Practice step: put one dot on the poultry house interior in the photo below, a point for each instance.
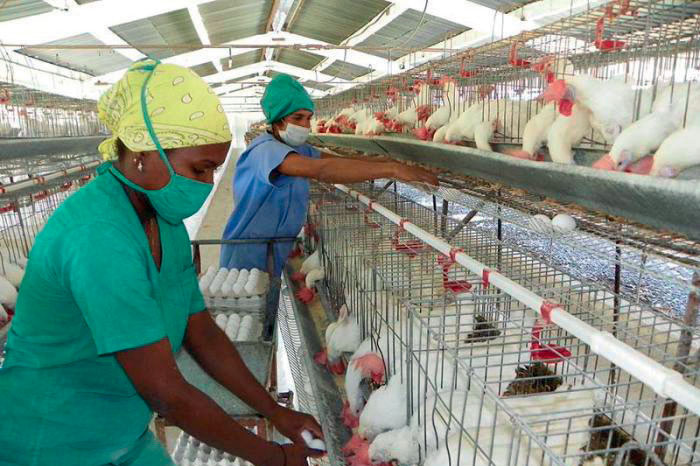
(539, 306)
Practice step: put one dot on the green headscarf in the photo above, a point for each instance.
(284, 96)
(184, 110)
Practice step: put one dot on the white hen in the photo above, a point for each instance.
(679, 151)
(311, 262)
(536, 130)
(385, 409)
(345, 337)
(8, 293)
(14, 274)
(566, 132)
(646, 134)
(611, 101)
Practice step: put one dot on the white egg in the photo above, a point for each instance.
(238, 288)
(541, 224)
(221, 320)
(311, 442)
(563, 223)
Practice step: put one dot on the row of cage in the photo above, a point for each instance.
(486, 379)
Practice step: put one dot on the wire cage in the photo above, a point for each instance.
(29, 113)
(488, 94)
(486, 379)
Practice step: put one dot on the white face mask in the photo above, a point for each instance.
(294, 135)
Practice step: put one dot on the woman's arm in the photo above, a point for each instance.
(155, 376)
(215, 353)
(366, 158)
(341, 170)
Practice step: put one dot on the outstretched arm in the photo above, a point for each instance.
(219, 358)
(342, 170)
(152, 370)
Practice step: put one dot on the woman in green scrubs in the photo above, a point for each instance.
(110, 294)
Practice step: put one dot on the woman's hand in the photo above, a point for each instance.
(407, 173)
(292, 423)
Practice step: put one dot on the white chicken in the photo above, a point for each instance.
(536, 131)
(345, 336)
(410, 116)
(315, 275)
(3, 314)
(14, 274)
(439, 135)
(507, 115)
(446, 112)
(8, 293)
(646, 134)
(566, 132)
(678, 151)
(610, 101)
(385, 409)
(395, 445)
(463, 127)
(373, 127)
(365, 363)
(311, 262)
(483, 133)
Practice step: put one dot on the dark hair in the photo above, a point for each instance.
(121, 148)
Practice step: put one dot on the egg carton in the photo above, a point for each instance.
(189, 451)
(234, 289)
(240, 326)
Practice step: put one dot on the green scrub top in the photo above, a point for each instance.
(91, 289)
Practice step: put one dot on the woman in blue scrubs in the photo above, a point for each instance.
(271, 183)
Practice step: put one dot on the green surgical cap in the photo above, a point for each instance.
(284, 96)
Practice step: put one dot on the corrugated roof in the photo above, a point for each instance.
(346, 70)
(400, 33)
(247, 58)
(334, 20)
(317, 85)
(205, 69)
(228, 20)
(91, 61)
(14, 9)
(299, 58)
(174, 27)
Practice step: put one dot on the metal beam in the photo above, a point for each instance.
(202, 32)
(267, 66)
(198, 57)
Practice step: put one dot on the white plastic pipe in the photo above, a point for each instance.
(664, 381)
(51, 176)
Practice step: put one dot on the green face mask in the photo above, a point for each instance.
(181, 197)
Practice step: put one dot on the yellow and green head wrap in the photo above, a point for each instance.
(182, 107)
(284, 96)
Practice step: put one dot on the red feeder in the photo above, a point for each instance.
(513, 57)
(547, 353)
(605, 45)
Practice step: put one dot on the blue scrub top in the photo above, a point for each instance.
(267, 204)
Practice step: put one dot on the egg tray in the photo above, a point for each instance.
(189, 451)
(257, 327)
(248, 304)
